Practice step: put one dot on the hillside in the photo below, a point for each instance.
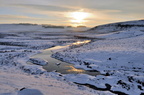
(114, 27)
(118, 53)
(18, 43)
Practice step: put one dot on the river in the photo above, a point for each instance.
(59, 66)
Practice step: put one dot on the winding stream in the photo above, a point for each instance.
(59, 66)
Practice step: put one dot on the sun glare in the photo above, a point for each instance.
(78, 17)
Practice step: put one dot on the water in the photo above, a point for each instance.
(63, 67)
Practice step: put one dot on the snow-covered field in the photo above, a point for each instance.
(17, 44)
(117, 53)
(119, 56)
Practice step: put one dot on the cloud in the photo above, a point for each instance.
(37, 11)
(44, 7)
(14, 17)
(27, 19)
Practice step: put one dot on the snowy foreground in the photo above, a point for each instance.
(17, 44)
(115, 50)
(119, 56)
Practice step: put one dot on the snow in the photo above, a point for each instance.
(119, 56)
(37, 61)
(117, 53)
(114, 27)
(30, 92)
(18, 43)
(12, 83)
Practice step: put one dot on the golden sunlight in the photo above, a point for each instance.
(81, 42)
(78, 17)
(74, 69)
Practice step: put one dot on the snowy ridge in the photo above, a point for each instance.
(114, 27)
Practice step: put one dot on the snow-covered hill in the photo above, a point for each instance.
(119, 55)
(114, 27)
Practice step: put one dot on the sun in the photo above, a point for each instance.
(78, 17)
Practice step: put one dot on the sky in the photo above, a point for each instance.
(70, 12)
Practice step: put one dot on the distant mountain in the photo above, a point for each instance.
(114, 27)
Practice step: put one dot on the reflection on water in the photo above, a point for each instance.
(63, 67)
(73, 69)
(81, 42)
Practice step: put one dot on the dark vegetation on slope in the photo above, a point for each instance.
(113, 27)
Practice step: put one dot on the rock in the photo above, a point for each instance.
(22, 88)
(109, 58)
(57, 64)
(30, 92)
